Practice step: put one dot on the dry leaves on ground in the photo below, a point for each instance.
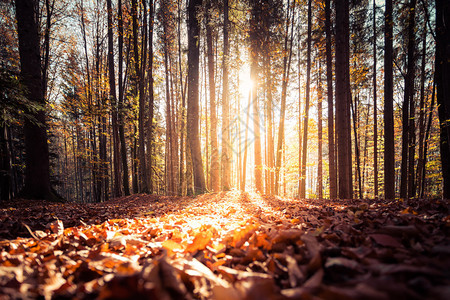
(225, 246)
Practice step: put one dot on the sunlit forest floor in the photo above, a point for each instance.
(230, 245)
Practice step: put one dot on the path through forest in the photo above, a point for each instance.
(230, 245)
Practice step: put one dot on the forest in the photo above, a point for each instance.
(225, 149)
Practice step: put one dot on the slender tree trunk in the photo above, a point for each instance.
(331, 145)
(286, 67)
(355, 117)
(408, 112)
(150, 97)
(37, 167)
(389, 150)
(215, 166)
(343, 99)
(427, 134)
(307, 100)
(421, 111)
(117, 189)
(255, 22)
(138, 63)
(193, 97)
(319, 135)
(123, 148)
(375, 105)
(226, 143)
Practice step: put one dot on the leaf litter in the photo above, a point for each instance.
(229, 245)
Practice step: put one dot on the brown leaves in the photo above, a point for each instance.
(227, 246)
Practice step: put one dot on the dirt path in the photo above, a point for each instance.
(225, 246)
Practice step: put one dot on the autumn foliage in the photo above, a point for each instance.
(230, 245)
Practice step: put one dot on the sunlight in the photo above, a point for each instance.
(245, 82)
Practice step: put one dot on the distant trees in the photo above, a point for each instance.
(130, 111)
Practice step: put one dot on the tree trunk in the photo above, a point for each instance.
(117, 189)
(286, 67)
(331, 145)
(343, 99)
(443, 87)
(389, 149)
(215, 166)
(255, 22)
(375, 107)
(319, 135)
(193, 97)
(226, 143)
(37, 168)
(150, 97)
(307, 100)
(408, 109)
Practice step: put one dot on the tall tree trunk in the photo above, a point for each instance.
(355, 118)
(226, 143)
(421, 111)
(343, 99)
(375, 107)
(443, 87)
(389, 149)
(255, 22)
(138, 63)
(407, 109)
(123, 147)
(150, 96)
(215, 166)
(427, 134)
(319, 135)
(117, 189)
(286, 67)
(331, 145)
(37, 167)
(307, 100)
(193, 97)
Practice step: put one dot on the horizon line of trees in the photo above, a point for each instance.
(105, 98)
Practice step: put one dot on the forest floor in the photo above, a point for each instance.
(229, 245)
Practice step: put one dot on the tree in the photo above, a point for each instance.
(226, 143)
(389, 149)
(375, 106)
(37, 173)
(306, 116)
(331, 138)
(193, 97)
(113, 99)
(343, 98)
(443, 87)
(408, 134)
(215, 166)
(255, 41)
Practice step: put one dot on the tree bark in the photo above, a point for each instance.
(375, 108)
(343, 98)
(117, 189)
(443, 87)
(389, 150)
(193, 97)
(307, 100)
(123, 147)
(226, 143)
(37, 167)
(407, 110)
(331, 144)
